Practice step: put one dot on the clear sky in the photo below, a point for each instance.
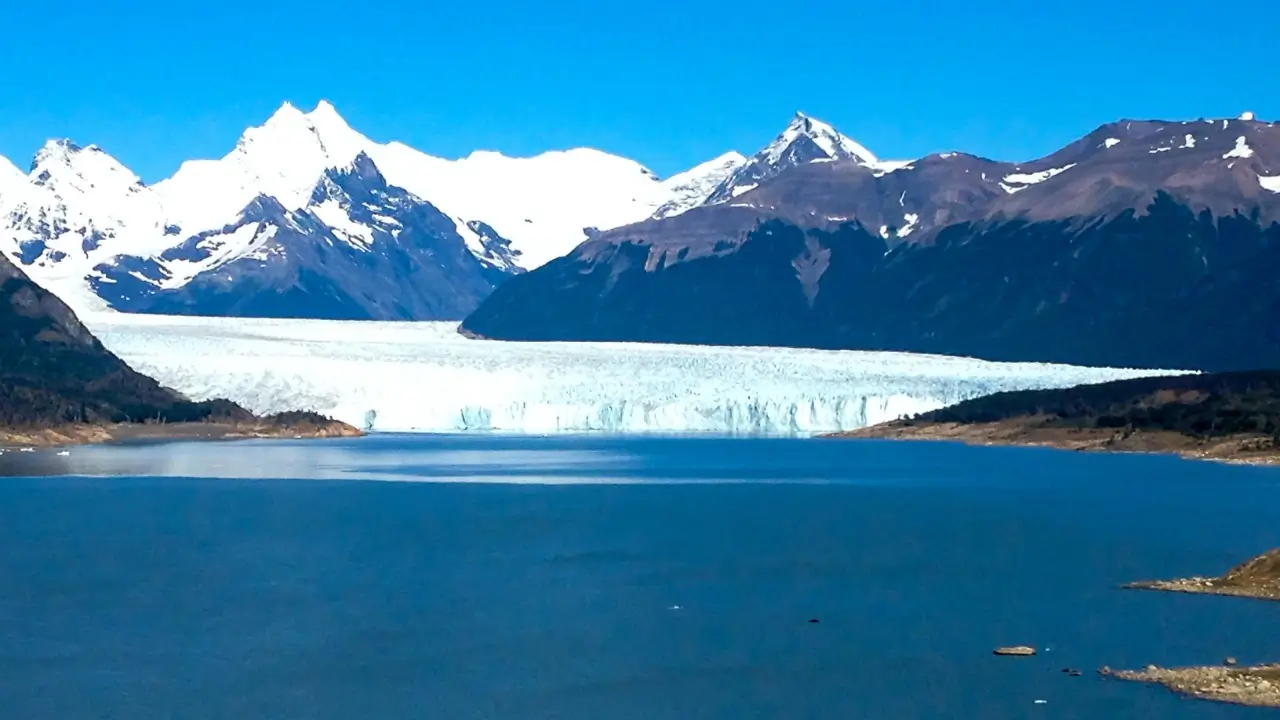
(667, 82)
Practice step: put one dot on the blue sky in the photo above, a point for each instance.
(667, 82)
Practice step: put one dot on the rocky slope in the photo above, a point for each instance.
(1223, 416)
(1257, 578)
(1153, 244)
(1257, 686)
(58, 383)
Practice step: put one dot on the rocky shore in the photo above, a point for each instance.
(1258, 578)
(284, 425)
(1228, 417)
(1033, 432)
(1258, 686)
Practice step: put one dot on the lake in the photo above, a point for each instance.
(606, 577)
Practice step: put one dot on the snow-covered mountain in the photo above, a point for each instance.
(693, 187)
(542, 204)
(83, 225)
(76, 208)
(805, 140)
(358, 249)
(1145, 243)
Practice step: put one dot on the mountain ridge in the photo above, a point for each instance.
(85, 226)
(66, 222)
(1117, 250)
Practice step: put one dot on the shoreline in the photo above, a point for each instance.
(1230, 449)
(1205, 586)
(217, 430)
(1258, 578)
(1255, 686)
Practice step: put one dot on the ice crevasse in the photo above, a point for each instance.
(425, 377)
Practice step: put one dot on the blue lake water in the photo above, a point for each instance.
(615, 578)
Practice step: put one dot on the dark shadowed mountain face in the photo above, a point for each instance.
(53, 371)
(360, 250)
(1143, 244)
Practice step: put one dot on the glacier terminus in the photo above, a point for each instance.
(425, 377)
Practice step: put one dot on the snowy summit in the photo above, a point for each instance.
(805, 140)
(83, 225)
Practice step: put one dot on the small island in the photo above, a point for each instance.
(1231, 417)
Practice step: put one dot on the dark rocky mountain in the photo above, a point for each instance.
(1152, 244)
(360, 250)
(53, 371)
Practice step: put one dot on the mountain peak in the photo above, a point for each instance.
(805, 140)
(84, 169)
(56, 151)
(326, 121)
(362, 168)
(283, 158)
(825, 138)
(286, 113)
(321, 133)
(358, 182)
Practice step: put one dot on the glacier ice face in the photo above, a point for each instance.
(425, 377)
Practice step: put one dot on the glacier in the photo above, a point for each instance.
(425, 377)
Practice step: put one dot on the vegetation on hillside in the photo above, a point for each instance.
(54, 372)
(1206, 406)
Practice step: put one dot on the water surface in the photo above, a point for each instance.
(614, 578)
